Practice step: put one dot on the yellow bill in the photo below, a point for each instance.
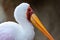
(37, 23)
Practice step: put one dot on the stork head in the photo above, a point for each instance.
(24, 12)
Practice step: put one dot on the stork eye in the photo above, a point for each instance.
(29, 9)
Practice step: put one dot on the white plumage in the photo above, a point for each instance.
(22, 30)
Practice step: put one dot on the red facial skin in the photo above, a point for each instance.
(29, 13)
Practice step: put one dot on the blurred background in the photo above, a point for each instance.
(47, 10)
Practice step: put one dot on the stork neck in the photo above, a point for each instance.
(25, 24)
(22, 20)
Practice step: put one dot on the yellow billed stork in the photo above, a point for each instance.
(23, 29)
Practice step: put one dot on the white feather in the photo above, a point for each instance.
(23, 30)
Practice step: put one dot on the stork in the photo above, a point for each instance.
(23, 29)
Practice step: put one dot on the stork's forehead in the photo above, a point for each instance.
(24, 5)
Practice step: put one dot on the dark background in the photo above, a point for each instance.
(47, 10)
